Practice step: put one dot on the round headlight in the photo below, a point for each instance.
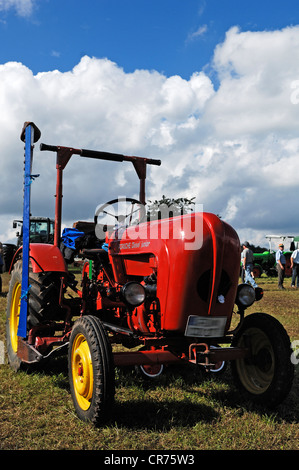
(245, 295)
(134, 293)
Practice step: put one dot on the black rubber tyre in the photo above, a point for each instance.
(265, 378)
(219, 368)
(7, 254)
(150, 372)
(44, 298)
(12, 316)
(257, 271)
(43, 305)
(91, 370)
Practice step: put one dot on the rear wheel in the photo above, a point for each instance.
(257, 271)
(219, 367)
(12, 316)
(266, 376)
(91, 370)
(44, 298)
(43, 306)
(288, 269)
(150, 371)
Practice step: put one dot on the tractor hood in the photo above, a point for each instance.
(196, 276)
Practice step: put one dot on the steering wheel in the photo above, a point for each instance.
(120, 212)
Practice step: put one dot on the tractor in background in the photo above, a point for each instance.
(162, 291)
(41, 230)
(265, 262)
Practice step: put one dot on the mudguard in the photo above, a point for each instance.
(43, 257)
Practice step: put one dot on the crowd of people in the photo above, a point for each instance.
(247, 261)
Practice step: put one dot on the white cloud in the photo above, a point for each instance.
(22, 7)
(55, 54)
(235, 147)
(256, 73)
(201, 30)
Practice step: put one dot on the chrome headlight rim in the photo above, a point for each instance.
(133, 293)
(245, 296)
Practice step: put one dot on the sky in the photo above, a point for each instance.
(209, 87)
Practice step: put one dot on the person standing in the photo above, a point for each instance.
(281, 262)
(295, 267)
(247, 259)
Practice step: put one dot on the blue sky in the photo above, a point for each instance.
(210, 87)
(170, 36)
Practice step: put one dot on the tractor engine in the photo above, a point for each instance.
(169, 285)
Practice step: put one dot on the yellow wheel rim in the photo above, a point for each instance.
(14, 316)
(82, 372)
(257, 375)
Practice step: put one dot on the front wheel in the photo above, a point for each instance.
(91, 370)
(266, 376)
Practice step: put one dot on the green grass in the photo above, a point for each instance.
(183, 410)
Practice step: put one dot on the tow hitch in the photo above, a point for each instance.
(204, 355)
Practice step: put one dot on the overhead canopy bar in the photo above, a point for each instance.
(63, 156)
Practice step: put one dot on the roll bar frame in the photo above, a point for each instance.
(65, 153)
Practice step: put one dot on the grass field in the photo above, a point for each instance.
(183, 410)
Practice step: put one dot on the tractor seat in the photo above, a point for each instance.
(94, 253)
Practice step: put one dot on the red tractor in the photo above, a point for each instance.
(166, 290)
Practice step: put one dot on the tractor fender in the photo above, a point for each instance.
(43, 257)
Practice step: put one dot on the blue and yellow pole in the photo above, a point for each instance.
(30, 134)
